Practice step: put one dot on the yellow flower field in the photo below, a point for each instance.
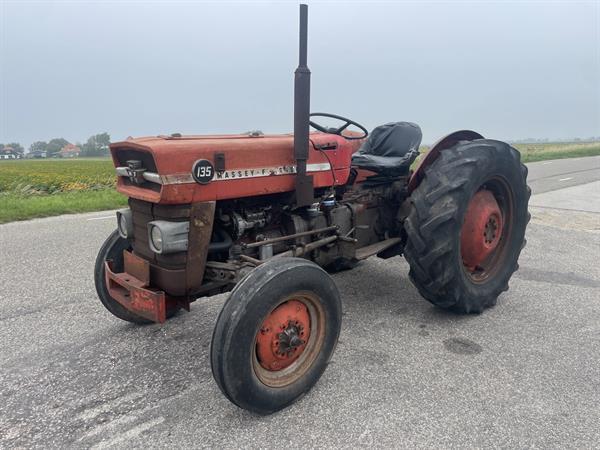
(40, 188)
(44, 177)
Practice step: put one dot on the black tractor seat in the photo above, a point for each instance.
(390, 149)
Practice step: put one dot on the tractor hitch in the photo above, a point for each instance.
(131, 289)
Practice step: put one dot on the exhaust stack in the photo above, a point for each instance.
(304, 183)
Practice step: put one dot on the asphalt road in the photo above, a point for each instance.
(405, 374)
(548, 176)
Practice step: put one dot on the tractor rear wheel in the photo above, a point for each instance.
(466, 228)
(275, 334)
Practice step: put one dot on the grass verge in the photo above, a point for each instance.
(18, 207)
(529, 155)
(544, 151)
(41, 188)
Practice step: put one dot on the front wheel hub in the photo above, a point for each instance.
(283, 335)
(481, 230)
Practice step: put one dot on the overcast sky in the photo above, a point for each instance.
(508, 70)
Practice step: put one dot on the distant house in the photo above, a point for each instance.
(69, 151)
(38, 154)
(9, 153)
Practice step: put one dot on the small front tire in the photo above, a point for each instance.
(276, 334)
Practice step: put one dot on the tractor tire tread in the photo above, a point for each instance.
(232, 374)
(435, 217)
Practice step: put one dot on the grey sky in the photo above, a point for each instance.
(506, 69)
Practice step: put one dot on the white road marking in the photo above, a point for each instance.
(102, 218)
(546, 163)
(566, 179)
(109, 426)
(130, 434)
(366, 438)
(91, 413)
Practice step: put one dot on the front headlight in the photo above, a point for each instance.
(156, 239)
(125, 223)
(168, 237)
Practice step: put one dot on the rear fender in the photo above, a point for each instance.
(444, 143)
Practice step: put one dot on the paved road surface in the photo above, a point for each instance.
(561, 173)
(523, 374)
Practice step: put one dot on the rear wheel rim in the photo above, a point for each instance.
(486, 230)
(289, 340)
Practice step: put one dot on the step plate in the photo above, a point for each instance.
(373, 249)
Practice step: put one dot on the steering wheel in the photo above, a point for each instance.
(339, 130)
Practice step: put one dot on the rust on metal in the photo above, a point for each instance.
(304, 249)
(202, 216)
(251, 260)
(481, 230)
(137, 267)
(133, 294)
(283, 335)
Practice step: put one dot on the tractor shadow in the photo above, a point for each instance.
(382, 305)
(379, 286)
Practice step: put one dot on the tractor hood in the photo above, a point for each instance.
(186, 169)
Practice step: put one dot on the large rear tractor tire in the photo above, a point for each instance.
(466, 228)
(276, 334)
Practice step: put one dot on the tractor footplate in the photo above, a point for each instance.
(131, 290)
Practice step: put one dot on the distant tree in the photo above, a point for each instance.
(55, 145)
(103, 140)
(96, 145)
(39, 146)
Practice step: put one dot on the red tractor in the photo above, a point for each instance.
(262, 215)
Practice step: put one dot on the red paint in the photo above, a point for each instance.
(290, 313)
(363, 174)
(481, 230)
(176, 156)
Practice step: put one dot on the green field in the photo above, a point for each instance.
(559, 150)
(541, 152)
(40, 188)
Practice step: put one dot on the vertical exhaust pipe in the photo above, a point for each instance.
(304, 183)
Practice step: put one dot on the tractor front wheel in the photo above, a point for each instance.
(275, 334)
(467, 225)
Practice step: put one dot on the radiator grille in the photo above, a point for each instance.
(144, 212)
(126, 154)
